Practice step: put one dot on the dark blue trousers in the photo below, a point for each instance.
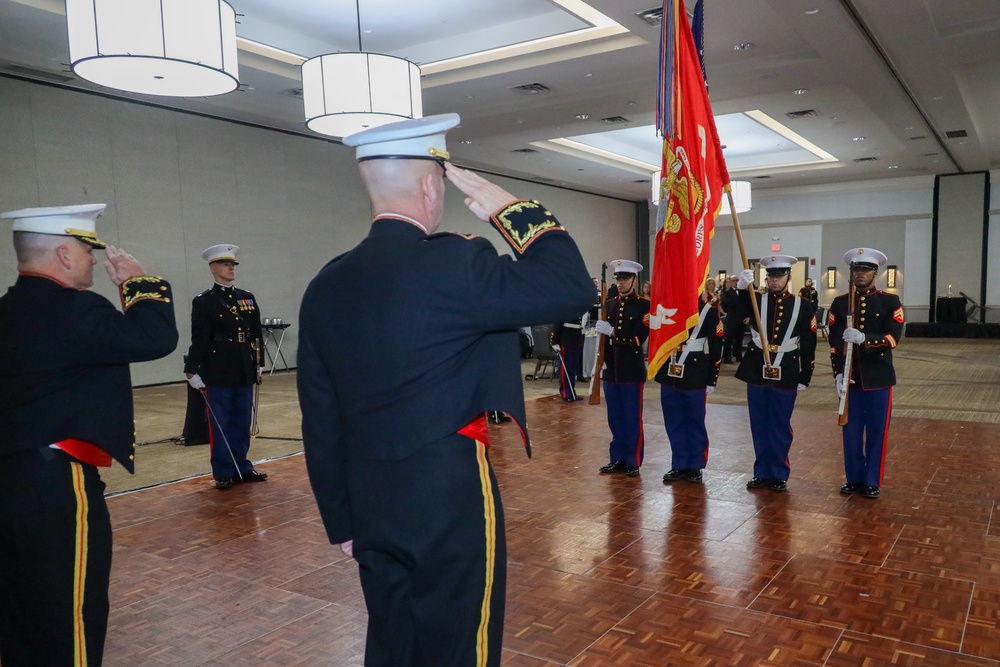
(865, 435)
(684, 419)
(625, 419)
(572, 368)
(55, 560)
(230, 416)
(429, 540)
(771, 427)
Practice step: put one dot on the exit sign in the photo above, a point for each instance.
(776, 247)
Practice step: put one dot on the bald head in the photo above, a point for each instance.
(414, 188)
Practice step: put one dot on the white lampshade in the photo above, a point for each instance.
(176, 48)
(345, 93)
(741, 195)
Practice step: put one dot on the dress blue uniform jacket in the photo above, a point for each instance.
(383, 378)
(225, 329)
(879, 316)
(623, 356)
(796, 366)
(701, 368)
(66, 374)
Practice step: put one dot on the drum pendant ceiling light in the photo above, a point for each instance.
(344, 93)
(175, 48)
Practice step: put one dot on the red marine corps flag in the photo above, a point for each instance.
(692, 184)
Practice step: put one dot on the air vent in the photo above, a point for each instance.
(33, 73)
(615, 120)
(292, 92)
(761, 178)
(918, 137)
(531, 88)
(652, 16)
(805, 113)
(931, 154)
(524, 151)
(641, 180)
(956, 134)
(870, 158)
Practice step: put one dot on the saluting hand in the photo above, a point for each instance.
(484, 198)
(121, 266)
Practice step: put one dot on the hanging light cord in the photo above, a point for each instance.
(357, 11)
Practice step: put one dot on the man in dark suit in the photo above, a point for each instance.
(734, 326)
(874, 332)
(223, 363)
(396, 446)
(567, 340)
(774, 381)
(65, 411)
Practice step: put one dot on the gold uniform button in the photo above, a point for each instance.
(131, 457)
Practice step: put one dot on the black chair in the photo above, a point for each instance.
(542, 351)
(821, 326)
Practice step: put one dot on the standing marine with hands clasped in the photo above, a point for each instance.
(877, 328)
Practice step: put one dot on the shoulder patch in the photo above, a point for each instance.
(898, 315)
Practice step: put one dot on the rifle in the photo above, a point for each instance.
(848, 361)
(595, 375)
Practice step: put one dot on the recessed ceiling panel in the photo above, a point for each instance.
(418, 31)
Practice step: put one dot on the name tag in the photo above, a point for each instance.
(772, 372)
(676, 370)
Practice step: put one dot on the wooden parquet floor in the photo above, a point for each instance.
(605, 570)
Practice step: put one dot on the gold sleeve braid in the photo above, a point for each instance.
(524, 221)
(142, 288)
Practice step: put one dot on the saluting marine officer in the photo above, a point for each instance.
(65, 411)
(878, 326)
(789, 323)
(625, 330)
(686, 380)
(396, 446)
(224, 362)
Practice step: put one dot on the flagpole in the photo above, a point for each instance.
(746, 265)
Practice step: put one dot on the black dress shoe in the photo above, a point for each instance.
(758, 483)
(851, 487)
(779, 485)
(871, 492)
(254, 476)
(692, 475)
(631, 471)
(673, 475)
(226, 483)
(614, 466)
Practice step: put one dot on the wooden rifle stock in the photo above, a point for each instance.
(848, 361)
(595, 374)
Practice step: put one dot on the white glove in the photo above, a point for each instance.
(840, 385)
(555, 347)
(604, 327)
(853, 336)
(709, 390)
(802, 387)
(746, 277)
(260, 374)
(196, 381)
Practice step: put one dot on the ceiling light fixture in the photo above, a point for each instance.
(344, 93)
(181, 48)
(800, 91)
(743, 46)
